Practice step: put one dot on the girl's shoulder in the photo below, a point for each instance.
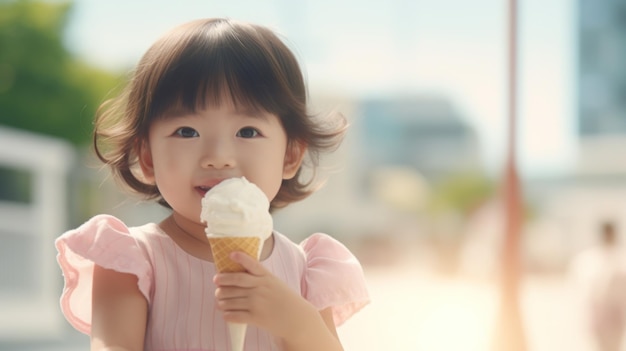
(108, 235)
(104, 229)
(316, 246)
(332, 276)
(105, 241)
(316, 249)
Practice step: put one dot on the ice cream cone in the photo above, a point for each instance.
(223, 246)
(237, 332)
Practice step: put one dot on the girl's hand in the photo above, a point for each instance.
(258, 297)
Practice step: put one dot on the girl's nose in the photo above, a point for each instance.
(217, 155)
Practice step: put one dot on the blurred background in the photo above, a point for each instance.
(416, 189)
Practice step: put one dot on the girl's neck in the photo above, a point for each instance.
(192, 230)
(190, 237)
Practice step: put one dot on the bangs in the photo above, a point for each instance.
(204, 70)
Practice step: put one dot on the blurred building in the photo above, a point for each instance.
(601, 70)
(601, 85)
(424, 132)
(601, 93)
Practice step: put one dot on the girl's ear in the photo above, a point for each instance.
(293, 159)
(145, 162)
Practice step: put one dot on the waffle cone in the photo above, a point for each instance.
(222, 247)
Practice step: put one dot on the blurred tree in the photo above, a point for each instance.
(453, 201)
(43, 88)
(461, 193)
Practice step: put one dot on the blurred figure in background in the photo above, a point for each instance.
(600, 273)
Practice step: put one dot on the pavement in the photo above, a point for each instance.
(414, 309)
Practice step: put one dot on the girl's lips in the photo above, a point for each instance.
(206, 186)
(202, 190)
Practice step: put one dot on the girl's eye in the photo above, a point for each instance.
(186, 132)
(247, 132)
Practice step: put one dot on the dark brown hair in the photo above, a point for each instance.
(190, 68)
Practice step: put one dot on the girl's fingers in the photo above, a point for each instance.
(251, 265)
(240, 280)
(254, 269)
(235, 310)
(234, 304)
(229, 292)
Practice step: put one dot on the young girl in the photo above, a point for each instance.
(211, 100)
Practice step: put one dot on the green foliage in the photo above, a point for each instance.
(43, 88)
(461, 193)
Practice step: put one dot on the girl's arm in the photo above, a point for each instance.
(258, 297)
(315, 336)
(119, 312)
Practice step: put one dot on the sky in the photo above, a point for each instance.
(456, 48)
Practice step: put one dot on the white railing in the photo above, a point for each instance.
(30, 282)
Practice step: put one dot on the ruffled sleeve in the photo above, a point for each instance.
(333, 277)
(103, 240)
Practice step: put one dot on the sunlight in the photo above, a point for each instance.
(460, 319)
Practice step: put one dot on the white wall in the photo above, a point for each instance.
(30, 310)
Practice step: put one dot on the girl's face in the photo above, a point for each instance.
(188, 154)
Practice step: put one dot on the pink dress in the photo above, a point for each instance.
(179, 287)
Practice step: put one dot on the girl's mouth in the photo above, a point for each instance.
(202, 190)
(208, 185)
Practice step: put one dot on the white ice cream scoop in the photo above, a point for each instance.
(236, 207)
